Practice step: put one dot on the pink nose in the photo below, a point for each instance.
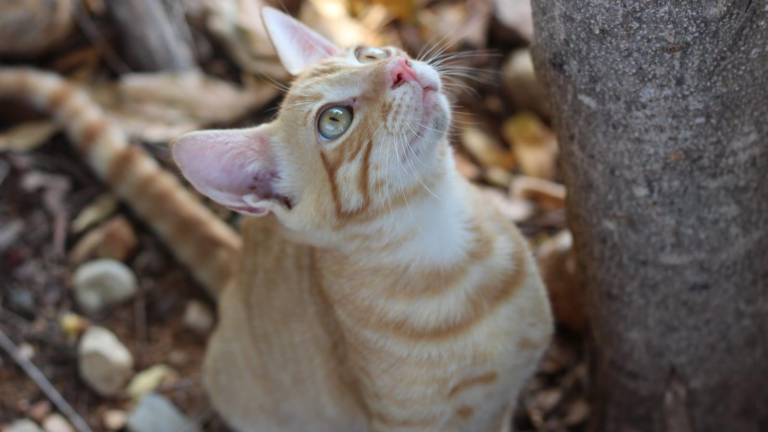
(402, 72)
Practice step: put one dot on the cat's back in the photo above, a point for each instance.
(272, 364)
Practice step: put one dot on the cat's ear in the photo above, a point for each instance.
(235, 168)
(297, 45)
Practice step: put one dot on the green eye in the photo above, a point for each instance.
(334, 121)
(370, 54)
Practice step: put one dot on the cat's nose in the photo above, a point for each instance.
(401, 72)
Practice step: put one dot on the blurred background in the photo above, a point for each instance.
(80, 275)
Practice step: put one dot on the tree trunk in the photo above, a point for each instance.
(155, 37)
(662, 112)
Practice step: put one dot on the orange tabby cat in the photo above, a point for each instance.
(382, 293)
(400, 299)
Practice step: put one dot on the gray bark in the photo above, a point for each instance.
(662, 112)
(155, 35)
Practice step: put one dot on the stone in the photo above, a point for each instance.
(23, 425)
(149, 380)
(105, 364)
(56, 423)
(114, 419)
(154, 413)
(102, 283)
(198, 317)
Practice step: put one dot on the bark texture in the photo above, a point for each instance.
(155, 37)
(662, 111)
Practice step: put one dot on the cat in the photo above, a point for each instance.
(374, 288)
(400, 299)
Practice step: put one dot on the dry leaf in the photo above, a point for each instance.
(331, 18)
(522, 86)
(28, 136)
(549, 195)
(557, 264)
(516, 210)
(533, 144)
(95, 212)
(457, 23)
(114, 239)
(404, 10)
(466, 167)
(516, 15)
(158, 107)
(28, 27)
(578, 413)
(486, 149)
(238, 24)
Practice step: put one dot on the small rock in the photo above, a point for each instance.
(114, 419)
(39, 410)
(72, 324)
(21, 301)
(56, 423)
(198, 317)
(149, 380)
(155, 413)
(23, 425)
(102, 283)
(104, 362)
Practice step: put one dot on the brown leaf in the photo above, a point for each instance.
(533, 144)
(158, 107)
(114, 239)
(332, 19)
(516, 15)
(486, 148)
(522, 86)
(28, 136)
(28, 27)
(549, 195)
(238, 25)
(95, 212)
(557, 264)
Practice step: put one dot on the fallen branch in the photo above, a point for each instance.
(36, 375)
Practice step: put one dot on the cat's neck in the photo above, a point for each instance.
(431, 230)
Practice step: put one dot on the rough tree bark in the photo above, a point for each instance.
(662, 112)
(154, 34)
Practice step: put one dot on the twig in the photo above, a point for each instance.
(43, 383)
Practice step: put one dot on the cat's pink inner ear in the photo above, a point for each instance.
(297, 45)
(232, 167)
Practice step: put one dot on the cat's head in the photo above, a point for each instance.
(359, 131)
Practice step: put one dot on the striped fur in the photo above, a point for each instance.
(404, 301)
(207, 246)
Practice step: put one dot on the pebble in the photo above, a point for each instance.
(154, 413)
(21, 301)
(102, 283)
(56, 423)
(198, 317)
(114, 419)
(104, 362)
(149, 380)
(23, 425)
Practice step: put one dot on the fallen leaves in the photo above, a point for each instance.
(28, 27)
(158, 107)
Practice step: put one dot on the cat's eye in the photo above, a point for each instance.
(334, 121)
(370, 54)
